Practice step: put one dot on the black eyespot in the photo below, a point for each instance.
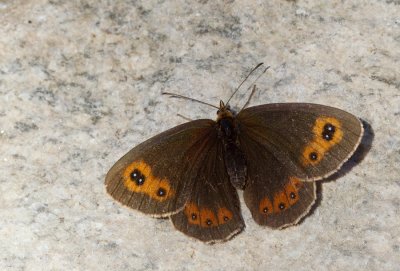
(265, 210)
(137, 177)
(292, 195)
(313, 156)
(209, 222)
(161, 192)
(329, 127)
(328, 132)
(226, 218)
(281, 206)
(194, 216)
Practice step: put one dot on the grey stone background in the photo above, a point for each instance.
(81, 83)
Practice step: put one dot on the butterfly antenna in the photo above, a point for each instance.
(251, 96)
(244, 80)
(182, 116)
(174, 95)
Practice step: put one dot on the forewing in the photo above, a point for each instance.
(311, 141)
(156, 176)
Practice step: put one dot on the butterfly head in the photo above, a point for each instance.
(225, 111)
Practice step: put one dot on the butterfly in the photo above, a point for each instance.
(274, 152)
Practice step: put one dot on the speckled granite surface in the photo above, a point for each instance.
(80, 84)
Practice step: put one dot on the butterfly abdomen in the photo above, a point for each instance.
(235, 161)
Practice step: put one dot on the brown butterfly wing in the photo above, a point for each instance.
(311, 140)
(212, 213)
(274, 196)
(287, 145)
(156, 177)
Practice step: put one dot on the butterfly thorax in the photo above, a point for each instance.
(235, 162)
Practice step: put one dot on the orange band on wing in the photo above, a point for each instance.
(205, 217)
(280, 202)
(283, 199)
(327, 133)
(224, 215)
(192, 213)
(138, 178)
(265, 206)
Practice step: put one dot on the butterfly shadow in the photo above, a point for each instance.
(355, 159)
